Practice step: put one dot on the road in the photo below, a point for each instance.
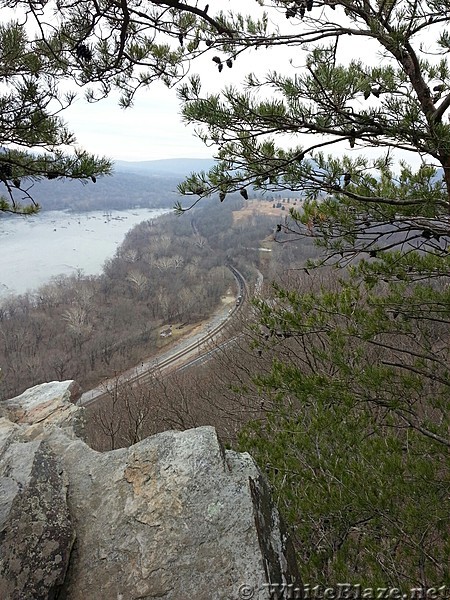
(188, 350)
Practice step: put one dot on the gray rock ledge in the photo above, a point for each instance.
(175, 516)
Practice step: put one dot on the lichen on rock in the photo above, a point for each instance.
(174, 516)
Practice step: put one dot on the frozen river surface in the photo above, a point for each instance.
(35, 249)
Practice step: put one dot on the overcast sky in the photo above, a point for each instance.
(152, 128)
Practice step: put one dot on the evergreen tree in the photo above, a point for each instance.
(398, 103)
(353, 425)
(354, 430)
(32, 134)
(49, 51)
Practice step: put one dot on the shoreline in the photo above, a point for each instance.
(53, 243)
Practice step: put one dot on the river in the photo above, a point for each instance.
(34, 249)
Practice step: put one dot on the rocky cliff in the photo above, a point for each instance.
(175, 516)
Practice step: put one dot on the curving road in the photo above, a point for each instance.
(191, 349)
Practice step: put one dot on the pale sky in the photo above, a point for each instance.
(152, 129)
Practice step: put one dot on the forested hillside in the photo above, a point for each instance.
(342, 397)
(170, 270)
(151, 184)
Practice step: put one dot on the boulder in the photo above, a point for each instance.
(47, 404)
(175, 516)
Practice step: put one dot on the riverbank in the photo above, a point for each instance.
(41, 247)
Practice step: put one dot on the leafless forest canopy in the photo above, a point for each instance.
(168, 271)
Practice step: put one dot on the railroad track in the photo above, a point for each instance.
(143, 374)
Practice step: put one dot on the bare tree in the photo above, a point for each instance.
(123, 417)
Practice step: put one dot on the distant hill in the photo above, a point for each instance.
(173, 166)
(150, 184)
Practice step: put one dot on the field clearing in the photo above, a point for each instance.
(259, 207)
